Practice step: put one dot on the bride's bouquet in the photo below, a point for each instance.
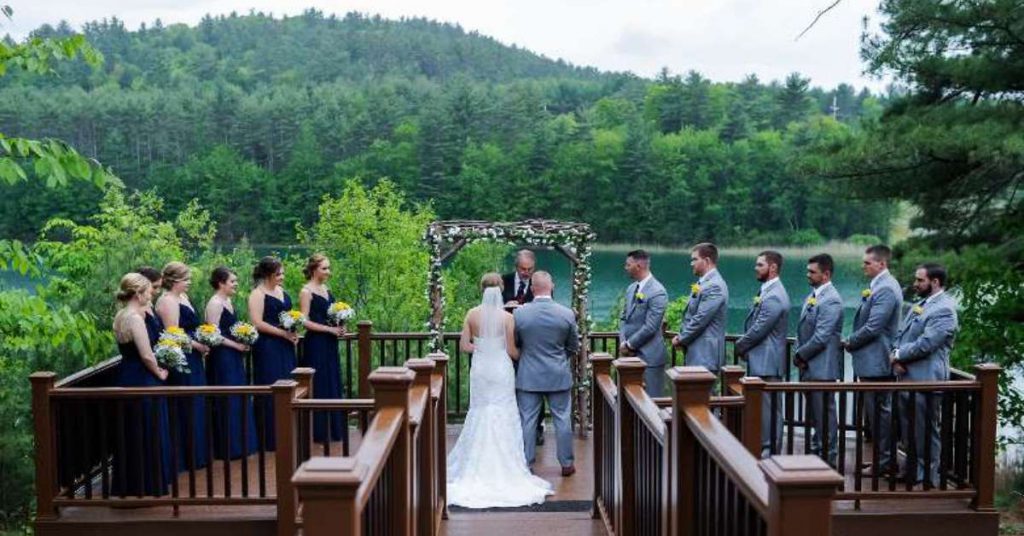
(339, 312)
(170, 354)
(209, 335)
(291, 320)
(244, 333)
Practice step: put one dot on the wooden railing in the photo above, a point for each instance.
(685, 472)
(395, 481)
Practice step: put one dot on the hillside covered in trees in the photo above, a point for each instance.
(258, 118)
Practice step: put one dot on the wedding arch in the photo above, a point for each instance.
(572, 240)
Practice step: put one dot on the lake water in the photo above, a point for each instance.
(672, 268)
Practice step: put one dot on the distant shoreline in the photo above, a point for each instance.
(836, 248)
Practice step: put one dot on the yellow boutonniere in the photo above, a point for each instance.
(865, 294)
(640, 296)
(695, 289)
(757, 300)
(918, 310)
(812, 301)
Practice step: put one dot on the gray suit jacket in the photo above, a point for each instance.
(764, 340)
(874, 327)
(702, 331)
(926, 339)
(547, 337)
(818, 336)
(640, 323)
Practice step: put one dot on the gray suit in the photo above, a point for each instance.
(874, 327)
(640, 328)
(702, 331)
(923, 345)
(818, 340)
(763, 345)
(547, 338)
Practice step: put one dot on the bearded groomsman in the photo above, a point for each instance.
(702, 332)
(640, 323)
(763, 343)
(819, 353)
(874, 327)
(921, 353)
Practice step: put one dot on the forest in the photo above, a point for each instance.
(258, 118)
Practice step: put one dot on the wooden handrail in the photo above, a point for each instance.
(162, 391)
(376, 446)
(902, 387)
(647, 411)
(86, 373)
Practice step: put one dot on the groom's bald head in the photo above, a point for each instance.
(541, 283)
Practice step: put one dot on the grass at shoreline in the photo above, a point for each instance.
(835, 248)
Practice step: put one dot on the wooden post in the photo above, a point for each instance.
(601, 365)
(441, 427)
(423, 452)
(43, 424)
(631, 372)
(365, 351)
(731, 375)
(328, 489)
(985, 421)
(691, 387)
(753, 391)
(800, 490)
(391, 390)
(284, 454)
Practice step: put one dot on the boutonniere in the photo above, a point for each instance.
(918, 310)
(694, 290)
(865, 294)
(812, 301)
(757, 300)
(640, 297)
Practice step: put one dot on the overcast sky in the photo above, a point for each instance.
(723, 39)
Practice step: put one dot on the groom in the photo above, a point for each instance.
(546, 336)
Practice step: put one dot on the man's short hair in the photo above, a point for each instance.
(639, 255)
(772, 257)
(881, 253)
(824, 262)
(934, 270)
(525, 254)
(706, 250)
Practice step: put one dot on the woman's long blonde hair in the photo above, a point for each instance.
(132, 284)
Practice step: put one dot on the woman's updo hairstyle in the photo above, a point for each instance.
(132, 284)
(219, 276)
(312, 264)
(491, 279)
(267, 267)
(175, 272)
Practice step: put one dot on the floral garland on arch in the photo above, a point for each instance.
(445, 238)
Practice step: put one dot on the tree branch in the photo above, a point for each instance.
(817, 18)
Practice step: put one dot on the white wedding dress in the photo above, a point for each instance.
(487, 468)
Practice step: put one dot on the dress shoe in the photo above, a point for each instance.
(569, 470)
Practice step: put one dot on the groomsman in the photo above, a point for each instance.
(819, 352)
(763, 343)
(921, 353)
(640, 323)
(702, 332)
(874, 327)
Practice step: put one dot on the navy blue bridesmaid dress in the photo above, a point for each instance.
(142, 461)
(191, 410)
(227, 367)
(320, 352)
(273, 358)
(154, 326)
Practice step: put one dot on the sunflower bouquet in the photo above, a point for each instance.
(244, 333)
(176, 334)
(339, 312)
(209, 335)
(291, 320)
(170, 354)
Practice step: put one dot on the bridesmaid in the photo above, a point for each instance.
(142, 447)
(227, 367)
(175, 309)
(320, 349)
(153, 324)
(273, 355)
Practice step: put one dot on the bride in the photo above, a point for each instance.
(487, 467)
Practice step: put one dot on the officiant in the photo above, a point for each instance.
(515, 292)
